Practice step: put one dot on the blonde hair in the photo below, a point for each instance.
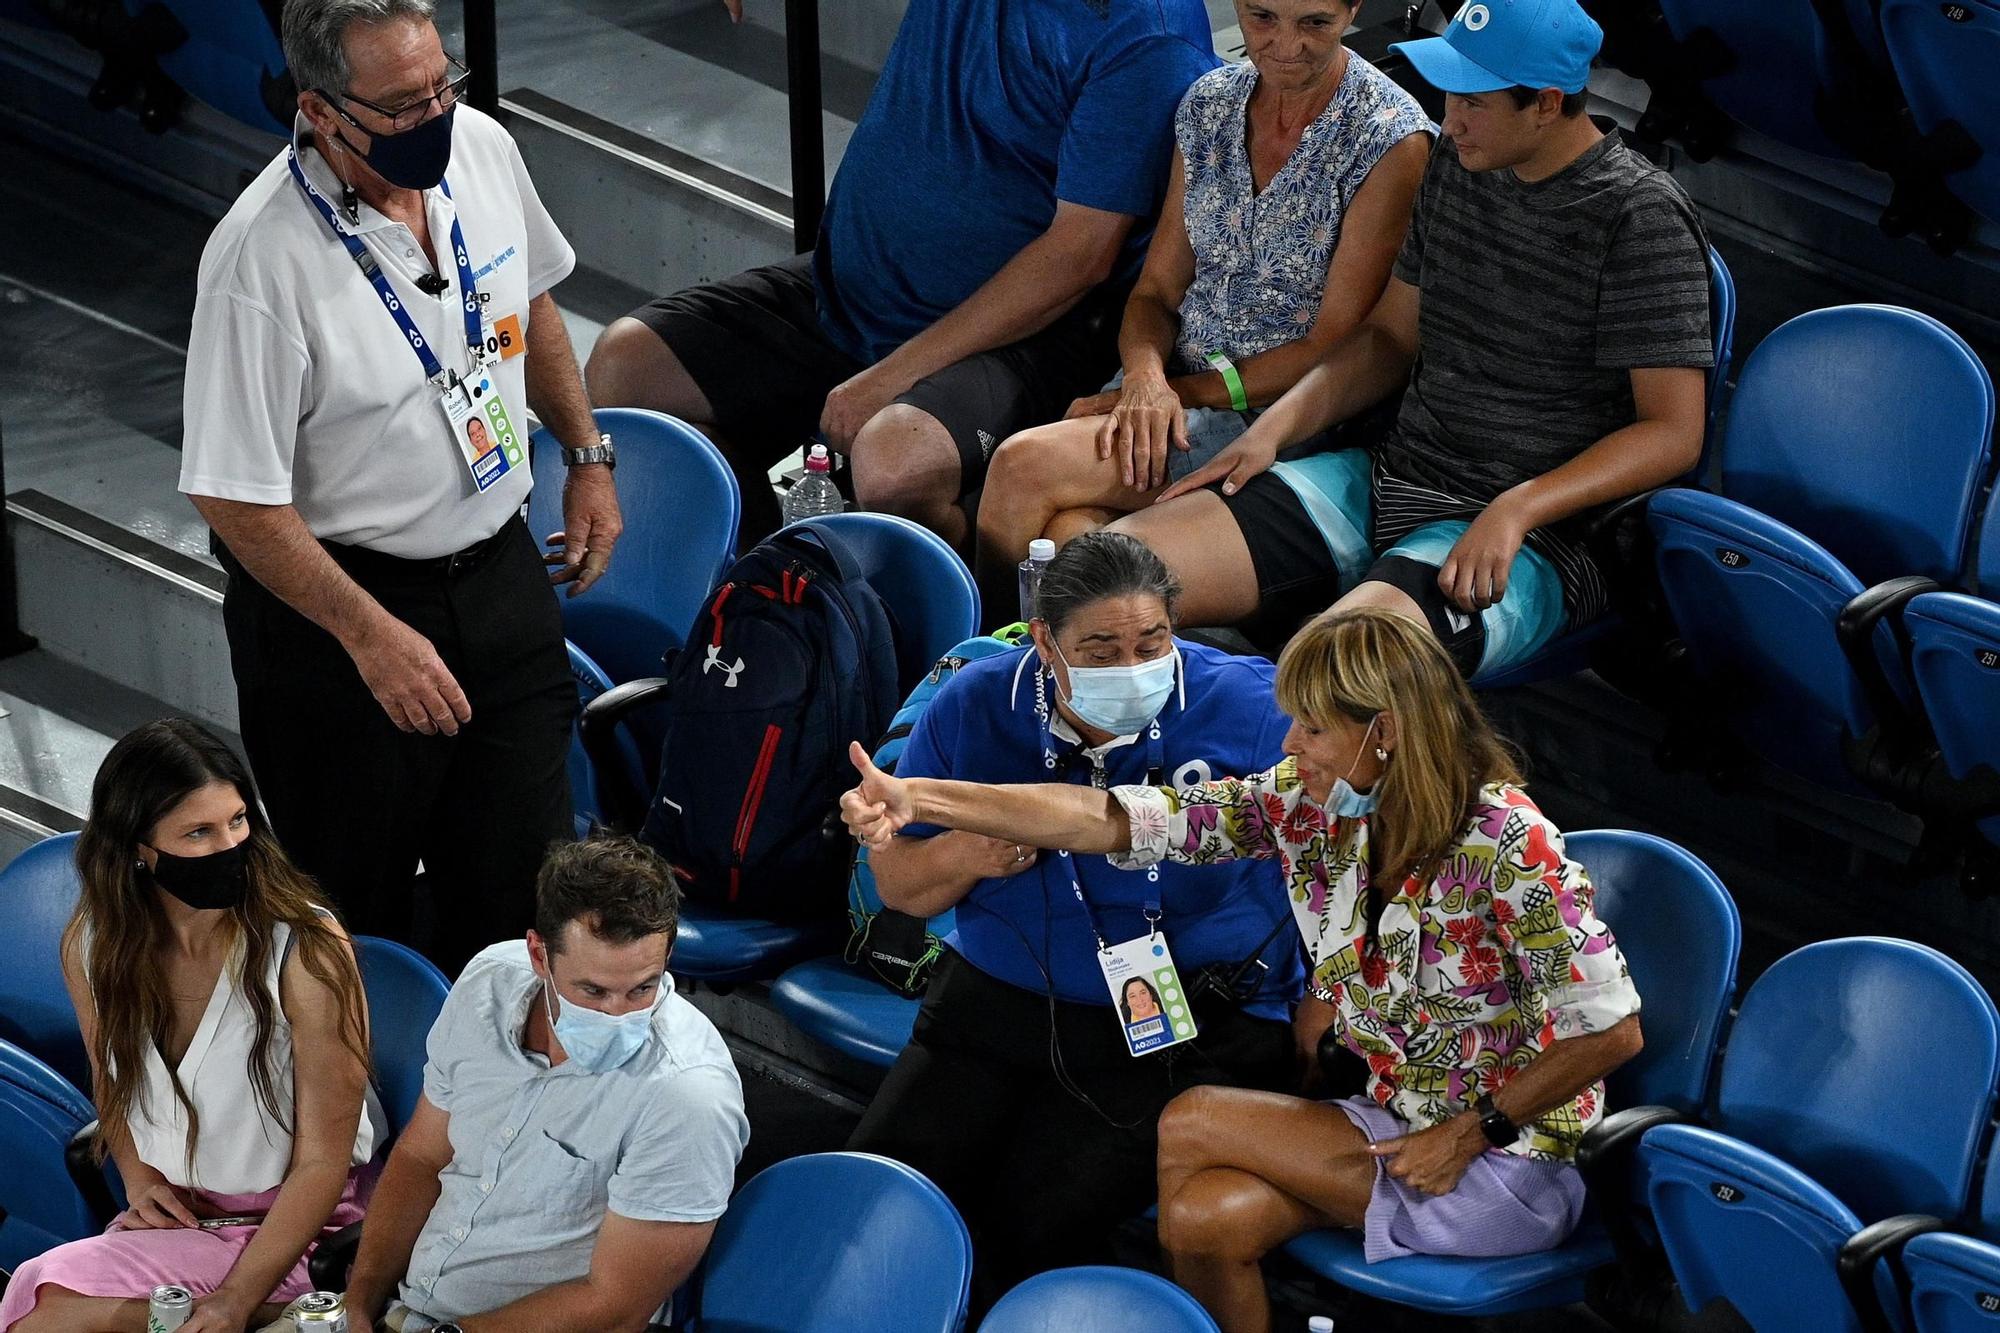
(1359, 663)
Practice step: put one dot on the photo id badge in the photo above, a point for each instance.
(482, 428)
(1146, 991)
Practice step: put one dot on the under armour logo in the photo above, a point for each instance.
(715, 660)
(1476, 17)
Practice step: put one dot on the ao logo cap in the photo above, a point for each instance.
(1495, 44)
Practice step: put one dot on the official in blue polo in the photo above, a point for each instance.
(1023, 1093)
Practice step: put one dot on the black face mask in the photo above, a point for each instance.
(414, 159)
(215, 882)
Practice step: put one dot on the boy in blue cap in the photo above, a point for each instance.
(1547, 324)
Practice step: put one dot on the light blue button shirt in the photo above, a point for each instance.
(539, 1154)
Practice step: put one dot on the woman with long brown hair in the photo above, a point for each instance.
(1453, 948)
(228, 1039)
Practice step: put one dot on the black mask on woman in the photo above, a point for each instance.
(216, 882)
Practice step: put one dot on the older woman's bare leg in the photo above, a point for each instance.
(1241, 1172)
(1198, 538)
(1035, 476)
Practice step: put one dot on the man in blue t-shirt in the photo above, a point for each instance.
(1017, 1093)
(991, 209)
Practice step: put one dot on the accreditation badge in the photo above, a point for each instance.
(485, 433)
(1153, 1009)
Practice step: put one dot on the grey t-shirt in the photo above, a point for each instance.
(1538, 300)
(539, 1155)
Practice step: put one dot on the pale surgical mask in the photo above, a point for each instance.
(1343, 802)
(598, 1041)
(1121, 699)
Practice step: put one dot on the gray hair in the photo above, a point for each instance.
(315, 33)
(1103, 564)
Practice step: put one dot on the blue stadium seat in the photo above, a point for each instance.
(1570, 653)
(1945, 55)
(1679, 931)
(680, 507)
(836, 1243)
(38, 891)
(405, 992)
(40, 1206)
(935, 606)
(1954, 645)
(230, 60)
(845, 1009)
(1954, 1280)
(1097, 1300)
(591, 681)
(1823, 1123)
(1856, 442)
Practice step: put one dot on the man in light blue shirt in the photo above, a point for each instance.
(579, 1128)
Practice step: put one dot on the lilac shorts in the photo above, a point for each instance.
(1502, 1205)
(129, 1264)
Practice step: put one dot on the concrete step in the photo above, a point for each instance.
(122, 605)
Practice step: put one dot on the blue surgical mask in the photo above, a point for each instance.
(598, 1041)
(1343, 802)
(1122, 699)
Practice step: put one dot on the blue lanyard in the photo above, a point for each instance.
(1155, 765)
(468, 287)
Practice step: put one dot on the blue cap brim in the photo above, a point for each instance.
(1446, 68)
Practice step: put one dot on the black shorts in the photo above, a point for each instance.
(1297, 576)
(754, 345)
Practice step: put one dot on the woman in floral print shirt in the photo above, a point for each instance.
(1453, 948)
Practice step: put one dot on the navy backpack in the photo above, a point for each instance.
(793, 657)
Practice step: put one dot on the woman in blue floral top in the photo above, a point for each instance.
(1453, 948)
(1292, 182)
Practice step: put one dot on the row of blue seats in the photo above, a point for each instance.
(1904, 86)
(1806, 1161)
(857, 1234)
(1837, 613)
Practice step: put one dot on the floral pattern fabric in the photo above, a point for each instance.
(1474, 970)
(1260, 260)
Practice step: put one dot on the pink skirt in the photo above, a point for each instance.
(127, 1264)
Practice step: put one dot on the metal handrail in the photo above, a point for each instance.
(802, 93)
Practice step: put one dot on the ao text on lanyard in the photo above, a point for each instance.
(468, 287)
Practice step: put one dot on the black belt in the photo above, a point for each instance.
(363, 562)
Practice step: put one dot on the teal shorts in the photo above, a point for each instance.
(1329, 495)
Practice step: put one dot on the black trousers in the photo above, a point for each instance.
(977, 1104)
(358, 803)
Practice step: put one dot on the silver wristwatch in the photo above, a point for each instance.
(601, 452)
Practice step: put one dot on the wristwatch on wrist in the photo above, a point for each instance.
(601, 452)
(1500, 1131)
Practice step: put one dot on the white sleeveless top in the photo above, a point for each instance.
(241, 1149)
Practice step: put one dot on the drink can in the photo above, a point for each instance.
(320, 1312)
(169, 1309)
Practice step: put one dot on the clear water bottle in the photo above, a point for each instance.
(813, 494)
(1040, 552)
(1320, 1323)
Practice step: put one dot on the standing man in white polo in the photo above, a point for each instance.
(372, 325)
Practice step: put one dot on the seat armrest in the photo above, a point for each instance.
(1858, 1256)
(1604, 1160)
(86, 1172)
(333, 1256)
(1856, 628)
(624, 809)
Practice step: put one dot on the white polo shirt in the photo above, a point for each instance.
(301, 390)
